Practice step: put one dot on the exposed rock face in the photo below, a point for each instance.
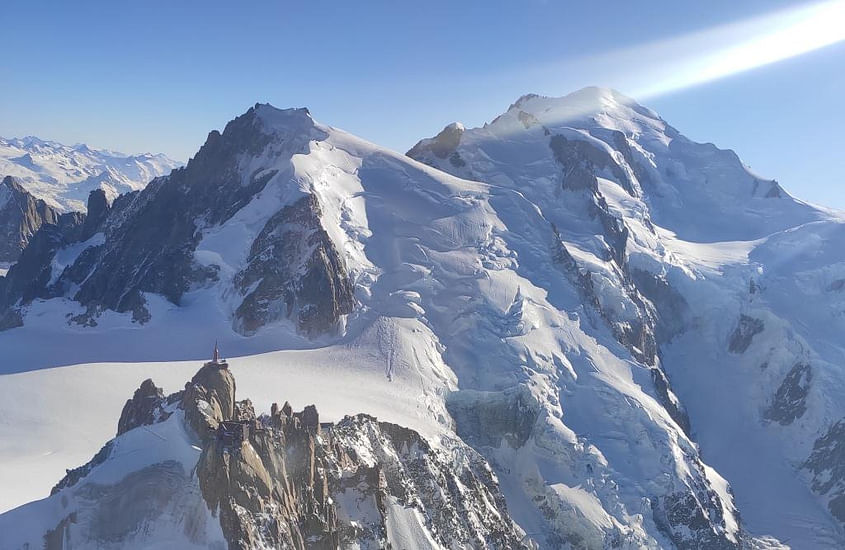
(282, 480)
(746, 329)
(827, 465)
(208, 399)
(266, 488)
(583, 161)
(293, 270)
(487, 419)
(31, 276)
(674, 314)
(636, 332)
(453, 488)
(144, 408)
(21, 215)
(669, 400)
(98, 210)
(151, 248)
(789, 402)
(443, 145)
(292, 482)
(687, 518)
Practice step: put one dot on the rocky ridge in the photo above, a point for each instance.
(278, 480)
(21, 215)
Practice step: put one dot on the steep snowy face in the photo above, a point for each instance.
(199, 469)
(63, 176)
(696, 190)
(678, 246)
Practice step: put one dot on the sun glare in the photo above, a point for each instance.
(740, 47)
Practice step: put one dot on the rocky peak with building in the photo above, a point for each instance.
(278, 480)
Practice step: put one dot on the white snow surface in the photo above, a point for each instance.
(715, 232)
(457, 290)
(63, 175)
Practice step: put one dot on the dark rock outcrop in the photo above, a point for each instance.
(98, 211)
(687, 519)
(294, 271)
(827, 465)
(442, 145)
(669, 400)
(637, 334)
(486, 419)
(145, 408)
(21, 215)
(209, 399)
(289, 482)
(790, 400)
(31, 276)
(746, 329)
(150, 248)
(453, 487)
(673, 311)
(583, 160)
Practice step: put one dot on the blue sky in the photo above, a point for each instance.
(158, 75)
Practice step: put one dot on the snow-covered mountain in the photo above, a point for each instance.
(636, 332)
(63, 175)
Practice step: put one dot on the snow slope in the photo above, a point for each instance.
(726, 243)
(63, 175)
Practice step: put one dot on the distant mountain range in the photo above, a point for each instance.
(636, 335)
(63, 175)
